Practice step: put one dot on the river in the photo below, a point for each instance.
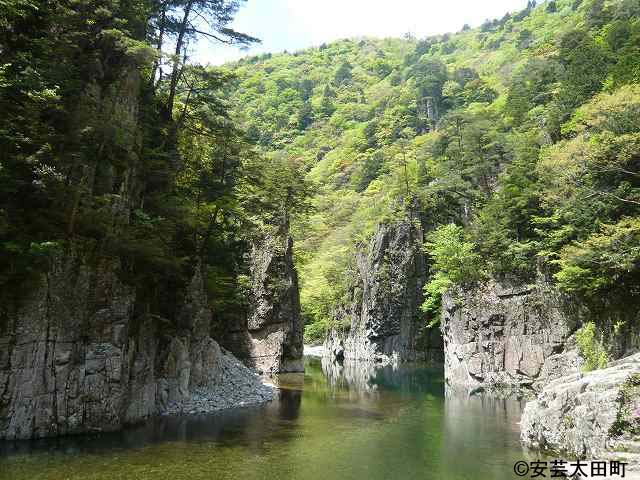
(333, 422)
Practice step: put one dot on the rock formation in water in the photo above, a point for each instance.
(270, 338)
(75, 357)
(499, 336)
(588, 415)
(382, 320)
(86, 346)
(505, 335)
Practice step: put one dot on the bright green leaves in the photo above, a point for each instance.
(453, 254)
(617, 112)
(591, 348)
(454, 262)
(605, 259)
(591, 183)
(465, 129)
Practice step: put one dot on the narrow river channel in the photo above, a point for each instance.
(333, 422)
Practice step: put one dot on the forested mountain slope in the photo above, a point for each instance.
(516, 146)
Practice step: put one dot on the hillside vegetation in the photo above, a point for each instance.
(114, 151)
(516, 145)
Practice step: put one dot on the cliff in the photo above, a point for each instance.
(507, 335)
(382, 321)
(75, 358)
(516, 336)
(113, 324)
(269, 339)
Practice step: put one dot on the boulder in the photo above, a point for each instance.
(583, 415)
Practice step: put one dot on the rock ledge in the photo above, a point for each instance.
(574, 414)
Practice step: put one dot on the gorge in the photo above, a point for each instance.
(452, 222)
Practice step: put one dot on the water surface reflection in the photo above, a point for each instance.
(350, 421)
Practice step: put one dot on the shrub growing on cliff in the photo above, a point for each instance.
(454, 262)
(602, 260)
(628, 415)
(591, 348)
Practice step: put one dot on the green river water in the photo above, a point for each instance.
(333, 422)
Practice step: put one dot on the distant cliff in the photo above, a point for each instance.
(269, 339)
(382, 321)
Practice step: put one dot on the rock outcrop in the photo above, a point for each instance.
(577, 414)
(382, 321)
(506, 336)
(103, 329)
(270, 338)
(75, 357)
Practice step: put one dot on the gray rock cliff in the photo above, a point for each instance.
(94, 340)
(270, 338)
(382, 320)
(507, 336)
(74, 357)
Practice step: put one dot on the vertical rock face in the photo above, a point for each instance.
(503, 335)
(382, 320)
(74, 358)
(270, 339)
(79, 351)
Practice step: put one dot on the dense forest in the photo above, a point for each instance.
(516, 145)
(113, 144)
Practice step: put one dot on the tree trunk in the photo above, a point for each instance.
(176, 62)
(156, 64)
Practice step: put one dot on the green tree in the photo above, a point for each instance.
(586, 64)
(454, 262)
(343, 74)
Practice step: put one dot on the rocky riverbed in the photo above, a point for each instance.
(239, 387)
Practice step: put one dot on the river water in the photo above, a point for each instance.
(333, 422)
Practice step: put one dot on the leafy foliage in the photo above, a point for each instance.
(454, 262)
(110, 145)
(591, 348)
(522, 132)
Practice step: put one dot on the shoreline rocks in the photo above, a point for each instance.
(238, 387)
(316, 351)
(576, 414)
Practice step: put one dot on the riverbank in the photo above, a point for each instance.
(239, 387)
(589, 415)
